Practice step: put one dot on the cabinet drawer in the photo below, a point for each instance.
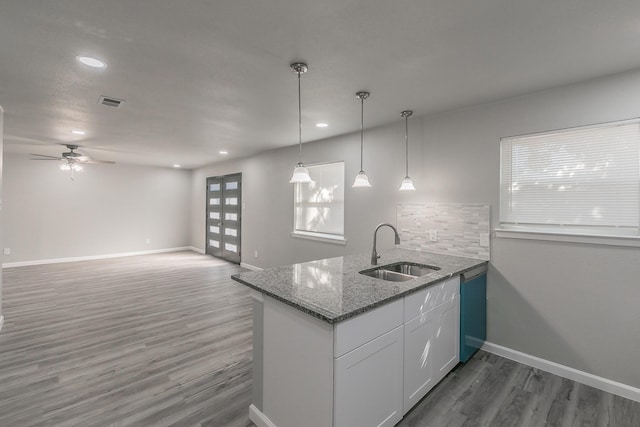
(354, 332)
(429, 298)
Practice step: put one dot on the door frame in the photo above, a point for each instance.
(222, 252)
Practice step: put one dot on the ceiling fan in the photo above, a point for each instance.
(71, 160)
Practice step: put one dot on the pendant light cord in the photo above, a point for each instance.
(406, 115)
(299, 122)
(361, 129)
(362, 96)
(406, 143)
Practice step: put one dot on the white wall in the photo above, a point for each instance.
(107, 209)
(268, 197)
(1, 201)
(572, 304)
(569, 303)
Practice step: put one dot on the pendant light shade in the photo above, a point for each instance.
(362, 180)
(300, 172)
(407, 183)
(300, 175)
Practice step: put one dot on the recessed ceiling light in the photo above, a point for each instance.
(322, 125)
(223, 152)
(91, 62)
(177, 166)
(78, 132)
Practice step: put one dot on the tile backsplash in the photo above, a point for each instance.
(457, 228)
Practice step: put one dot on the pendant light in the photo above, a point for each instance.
(362, 180)
(407, 183)
(300, 172)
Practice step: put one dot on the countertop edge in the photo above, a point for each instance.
(360, 310)
(284, 300)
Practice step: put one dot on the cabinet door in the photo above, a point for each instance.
(446, 338)
(418, 358)
(368, 383)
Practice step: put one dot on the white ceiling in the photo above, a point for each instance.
(202, 76)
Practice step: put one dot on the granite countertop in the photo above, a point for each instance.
(333, 290)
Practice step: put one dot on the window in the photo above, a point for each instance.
(582, 180)
(319, 205)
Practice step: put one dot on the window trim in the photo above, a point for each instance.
(554, 236)
(320, 237)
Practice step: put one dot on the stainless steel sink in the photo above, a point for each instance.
(410, 268)
(400, 271)
(387, 275)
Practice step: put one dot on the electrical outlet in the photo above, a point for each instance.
(433, 235)
(255, 254)
(7, 251)
(148, 241)
(484, 240)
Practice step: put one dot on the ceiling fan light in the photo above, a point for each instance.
(70, 167)
(362, 180)
(407, 185)
(300, 175)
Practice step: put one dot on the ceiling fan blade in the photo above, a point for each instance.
(45, 157)
(108, 162)
(19, 140)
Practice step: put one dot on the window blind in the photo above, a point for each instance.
(584, 179)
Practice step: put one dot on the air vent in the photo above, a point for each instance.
(110, 101)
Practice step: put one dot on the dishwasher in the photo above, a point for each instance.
(473, 311)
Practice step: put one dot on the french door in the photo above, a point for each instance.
(223, 217)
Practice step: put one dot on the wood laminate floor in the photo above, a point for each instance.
(165, 340)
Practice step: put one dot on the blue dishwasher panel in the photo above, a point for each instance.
(473, 316)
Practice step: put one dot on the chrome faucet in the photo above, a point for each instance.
(374, 253)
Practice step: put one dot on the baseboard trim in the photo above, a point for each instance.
(93, 257)
(1, 322)
(250, 267)
(582, 377)
(259, 418)
(198, 250)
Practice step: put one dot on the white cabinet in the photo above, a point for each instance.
(368, 360)
(431, 338)
(418, 358)
(368, 383)
(366, 371)
(446, 339)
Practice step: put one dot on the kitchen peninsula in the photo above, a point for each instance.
(334, 347)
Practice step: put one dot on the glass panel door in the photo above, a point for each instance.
(231, 208)
(223, 217)
(214, 216)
